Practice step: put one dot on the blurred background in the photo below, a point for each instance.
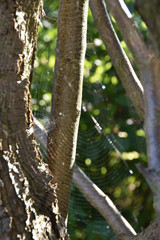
(111, 139)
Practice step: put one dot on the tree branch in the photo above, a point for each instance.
(67, 96)
(46, 17)
(103, 204)
(150, 74)
(129, 31)
(148, 63)
(149, 233)
(100, 201)
(149, 11)
(119, 59)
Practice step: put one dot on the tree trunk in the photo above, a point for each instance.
(28, 204)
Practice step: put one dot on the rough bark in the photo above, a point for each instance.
(28, 204)
(119, 59)
(67, 95)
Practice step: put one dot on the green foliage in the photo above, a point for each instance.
(111, 139)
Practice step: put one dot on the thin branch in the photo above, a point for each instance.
(49, 18)
(103, 204)
(129, 31)
(99, 200)
(119, 59)
(44, 15)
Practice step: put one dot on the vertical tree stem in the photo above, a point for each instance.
(67, 95)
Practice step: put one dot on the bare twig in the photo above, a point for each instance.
(128, 29)
(44, 15)
(93, 194)
(49, 18)
(119, 59)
